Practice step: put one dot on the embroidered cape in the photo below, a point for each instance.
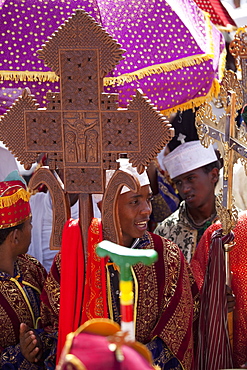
(179, 229)
(171, 296)
(20, 302)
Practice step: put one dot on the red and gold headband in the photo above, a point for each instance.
(14, 203)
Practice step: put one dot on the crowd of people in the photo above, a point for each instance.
(62, 309)
(39, 308)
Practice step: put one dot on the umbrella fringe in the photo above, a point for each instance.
(157, 69)
(28, 76)
(194, 103)
(110, 81)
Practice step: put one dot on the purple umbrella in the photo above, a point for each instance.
(173, 52)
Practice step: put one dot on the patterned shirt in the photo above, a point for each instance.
(180, 229)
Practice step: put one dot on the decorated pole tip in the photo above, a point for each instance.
(125, 258)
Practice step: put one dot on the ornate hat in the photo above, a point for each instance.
(187, 157)
(14, 201)
(126, 166)
(99, 344)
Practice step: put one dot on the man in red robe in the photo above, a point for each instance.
(166, 296)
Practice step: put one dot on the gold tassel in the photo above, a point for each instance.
(192, 104)
(157, 69)
(28, 76)
(9, 200)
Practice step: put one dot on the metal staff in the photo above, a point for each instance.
(232, 146)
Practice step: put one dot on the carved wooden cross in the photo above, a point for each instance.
(82, 129)
(238, 48)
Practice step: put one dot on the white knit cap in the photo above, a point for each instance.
(187, 157)
(127, 167)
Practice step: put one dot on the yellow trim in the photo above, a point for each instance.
(156, 69)
(101, 326)
(10, 200)
(109, 298)
(66, 349)
(28, 76)
(26, 299)
(74, 361)
(36, 322)
(6, 226)
(111, 81)
(222, 58)
(26, 283)
(196, 102)
(136, 297)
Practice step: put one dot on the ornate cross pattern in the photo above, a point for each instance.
(83, 130)
(238, 48)
(232, 141)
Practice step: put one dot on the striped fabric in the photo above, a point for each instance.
(214, 350)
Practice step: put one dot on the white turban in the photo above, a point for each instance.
(187, 157)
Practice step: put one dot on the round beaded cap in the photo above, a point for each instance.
(173, 52)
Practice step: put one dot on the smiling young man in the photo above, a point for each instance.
(195, 172)
(134, 211)
(166, 296)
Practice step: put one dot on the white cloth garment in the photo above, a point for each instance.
(41, 207)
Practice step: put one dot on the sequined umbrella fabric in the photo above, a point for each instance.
(173, 52)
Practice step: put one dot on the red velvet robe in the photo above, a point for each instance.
(238, 266)
(167, 304)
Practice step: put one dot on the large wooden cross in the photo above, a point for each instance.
(82, 130)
